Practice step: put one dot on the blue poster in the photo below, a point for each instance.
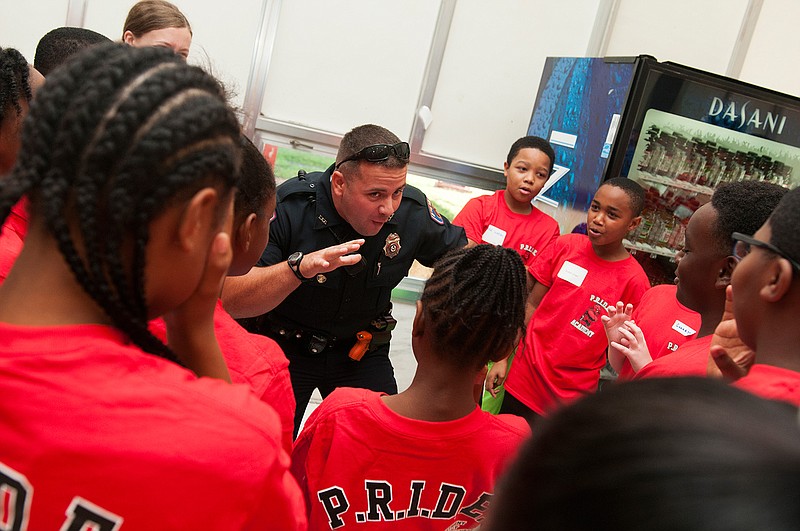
(578, 110)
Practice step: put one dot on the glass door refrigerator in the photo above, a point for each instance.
(681, 133)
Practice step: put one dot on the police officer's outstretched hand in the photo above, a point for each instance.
(331, 258)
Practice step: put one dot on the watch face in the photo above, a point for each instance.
(295, 257)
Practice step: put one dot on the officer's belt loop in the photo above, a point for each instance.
(313, 342)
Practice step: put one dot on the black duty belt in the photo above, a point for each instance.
(314, 342)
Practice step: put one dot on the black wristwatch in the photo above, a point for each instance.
(294, 264)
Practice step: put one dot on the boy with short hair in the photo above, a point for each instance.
(508, 217)
(705, 266)
(59, 44)
(766, 302)
(577, 277)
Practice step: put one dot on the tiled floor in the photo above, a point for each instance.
(400, 352)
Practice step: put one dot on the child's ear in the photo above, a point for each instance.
(418, 326)
(725, 272)
(198, 218)
(780, 276)
(634, 223)
(128, 37)
(244, 234)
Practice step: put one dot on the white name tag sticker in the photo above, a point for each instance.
(494, 236)
(683, 329)
(572, 273)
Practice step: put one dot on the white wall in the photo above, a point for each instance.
(338, 63)
(774, 51)
(667, 31)
(341, 63)
(23, 22)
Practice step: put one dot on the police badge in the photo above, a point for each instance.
(392, 246)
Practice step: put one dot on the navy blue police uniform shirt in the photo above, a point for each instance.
(342, 302)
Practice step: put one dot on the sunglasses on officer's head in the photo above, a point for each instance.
(381, 152)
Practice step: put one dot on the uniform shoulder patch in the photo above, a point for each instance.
(435, 216)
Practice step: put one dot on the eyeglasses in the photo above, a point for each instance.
(380, 152)
(743, 243)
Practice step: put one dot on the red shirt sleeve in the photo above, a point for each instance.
(471, 218)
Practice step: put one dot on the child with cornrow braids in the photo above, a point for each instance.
(418, 459)
(129, 158)
(252, 359)
(18, 84)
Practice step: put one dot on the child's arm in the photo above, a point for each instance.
(535, 296)
(617, 315)
(190, 327)
(496, 376)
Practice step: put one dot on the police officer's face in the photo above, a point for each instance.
(368, 196)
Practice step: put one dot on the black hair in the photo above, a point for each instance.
(742, 206)
(14, 83)
(367, 135)
(533, 142)
(61, 43)
(256, 181)
(114, 137)
(784, 223)
(657, 454)
(475, 303)
(632, 189)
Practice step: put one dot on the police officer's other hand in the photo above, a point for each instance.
(331, 258)
(730, 358)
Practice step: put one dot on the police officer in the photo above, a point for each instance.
(332, 309)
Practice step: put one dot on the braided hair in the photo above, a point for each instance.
(14, 83)
(256, 182)
(475, 301)
(114, 138)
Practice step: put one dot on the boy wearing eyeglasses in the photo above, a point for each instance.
(765, 296)
(330, 310)
(705, 266)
